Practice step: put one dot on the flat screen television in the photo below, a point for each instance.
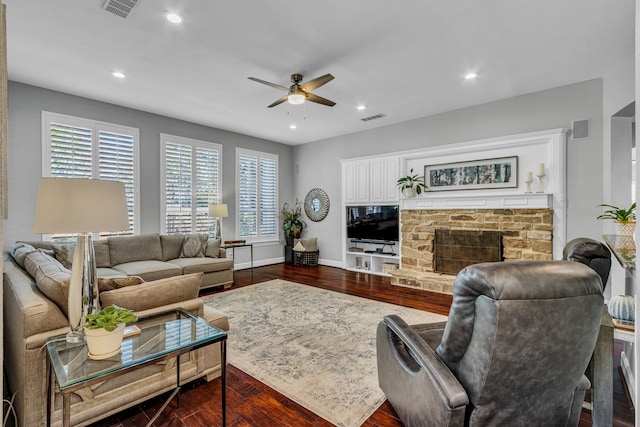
(373, 222)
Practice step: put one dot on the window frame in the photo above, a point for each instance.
(259, 155)
(193, 143)
(96, 126)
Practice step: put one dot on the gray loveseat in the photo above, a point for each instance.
(30, 317)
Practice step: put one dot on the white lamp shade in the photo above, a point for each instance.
(75, 205)
(218, 210)
(296, 98)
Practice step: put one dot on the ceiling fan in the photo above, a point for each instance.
(298, 93)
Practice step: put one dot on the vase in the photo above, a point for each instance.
(627, 229)
(102, 343)
(409, 193)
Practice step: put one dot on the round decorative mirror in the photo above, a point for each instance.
(316, 204)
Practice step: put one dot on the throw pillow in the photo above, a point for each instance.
(298, 247)
(19, 252)
(213, 248)
(64, 254)
(110, 283)
(194, 246)
(52, 279)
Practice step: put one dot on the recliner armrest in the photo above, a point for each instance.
(419, 386)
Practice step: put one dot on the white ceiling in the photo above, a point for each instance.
(405, 59)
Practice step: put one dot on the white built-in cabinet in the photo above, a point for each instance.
(369, 181)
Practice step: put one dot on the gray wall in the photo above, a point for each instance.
(25, 157)
(318, 164)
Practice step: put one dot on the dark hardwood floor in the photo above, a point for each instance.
(252, 403)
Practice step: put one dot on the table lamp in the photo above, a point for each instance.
(218, 211)
(81, 206)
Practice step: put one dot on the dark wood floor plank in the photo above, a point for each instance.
(251, 403)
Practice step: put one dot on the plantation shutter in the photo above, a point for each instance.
(79, 148)
(248, 196)
(191, 181)
(116, 163)
(257, 194)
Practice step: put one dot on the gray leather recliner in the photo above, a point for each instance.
(513, 351)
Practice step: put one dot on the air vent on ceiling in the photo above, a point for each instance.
(377, 116)
(120, 8)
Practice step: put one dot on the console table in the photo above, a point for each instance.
(163, 335)
(234, 246)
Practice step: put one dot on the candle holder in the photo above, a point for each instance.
(528, 181)
(540, 183)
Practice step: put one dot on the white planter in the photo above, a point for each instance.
(102, 343)
(625, 229)
(409, 193)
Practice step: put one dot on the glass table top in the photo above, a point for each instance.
(160, 335)
(623, 248)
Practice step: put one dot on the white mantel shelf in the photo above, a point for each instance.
(514, 201)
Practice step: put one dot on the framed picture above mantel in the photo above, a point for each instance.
(499, 172)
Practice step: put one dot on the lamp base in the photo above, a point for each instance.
(75, 337)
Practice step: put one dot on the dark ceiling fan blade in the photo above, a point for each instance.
(269, 84)
(279, 101)
(320, 100)
(317, 82)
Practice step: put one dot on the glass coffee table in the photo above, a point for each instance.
(162, 336)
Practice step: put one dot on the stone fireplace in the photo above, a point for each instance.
(525, 234)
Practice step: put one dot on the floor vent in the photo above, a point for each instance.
(120, 8)
(377, 116)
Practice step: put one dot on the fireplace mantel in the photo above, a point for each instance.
(513, 201)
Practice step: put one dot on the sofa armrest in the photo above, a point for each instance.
(154, 294)
(415, 379)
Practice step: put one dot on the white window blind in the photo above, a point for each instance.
(257, 182)
(190, 182)
(74, 147)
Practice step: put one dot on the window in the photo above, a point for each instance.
(257, 181)
(74, 147)
(190, 182)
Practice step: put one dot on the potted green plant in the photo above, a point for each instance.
(104, 330)
(292, 223)
(411, 184)
(624, 219)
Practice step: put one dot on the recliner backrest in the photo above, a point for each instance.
(592, 253)
(519, 337)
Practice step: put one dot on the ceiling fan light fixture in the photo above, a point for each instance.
(296, 98)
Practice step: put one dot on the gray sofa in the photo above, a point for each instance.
(30, 317)
(152, 257)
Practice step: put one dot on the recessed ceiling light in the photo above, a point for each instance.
(118, 75)
(361, 107)
(173, 18)
(293, 127)
(470, 76)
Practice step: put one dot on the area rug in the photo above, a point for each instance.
(315, 346)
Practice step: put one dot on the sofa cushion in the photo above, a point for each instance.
(213, 248)
(171, 246)
(202, 265)
(149, 270)
(109, 272)
(125, 249)
(51, 278)
(19, 252)
(101, 250)
(110, 283)
(194, 246)
(64, 253)
(155, 293)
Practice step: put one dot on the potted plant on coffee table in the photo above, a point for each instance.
(292, 223)
(624, 219)
(104, 330)
(411, 184)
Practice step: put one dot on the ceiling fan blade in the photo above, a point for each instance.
(320, 100)
(269, 83)
(279, 101)
(317, 82)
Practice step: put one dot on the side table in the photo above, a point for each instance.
(163, 335)
(234, 246)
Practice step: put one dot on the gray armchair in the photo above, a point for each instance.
(513, 351)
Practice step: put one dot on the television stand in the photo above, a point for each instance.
(372, 258)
